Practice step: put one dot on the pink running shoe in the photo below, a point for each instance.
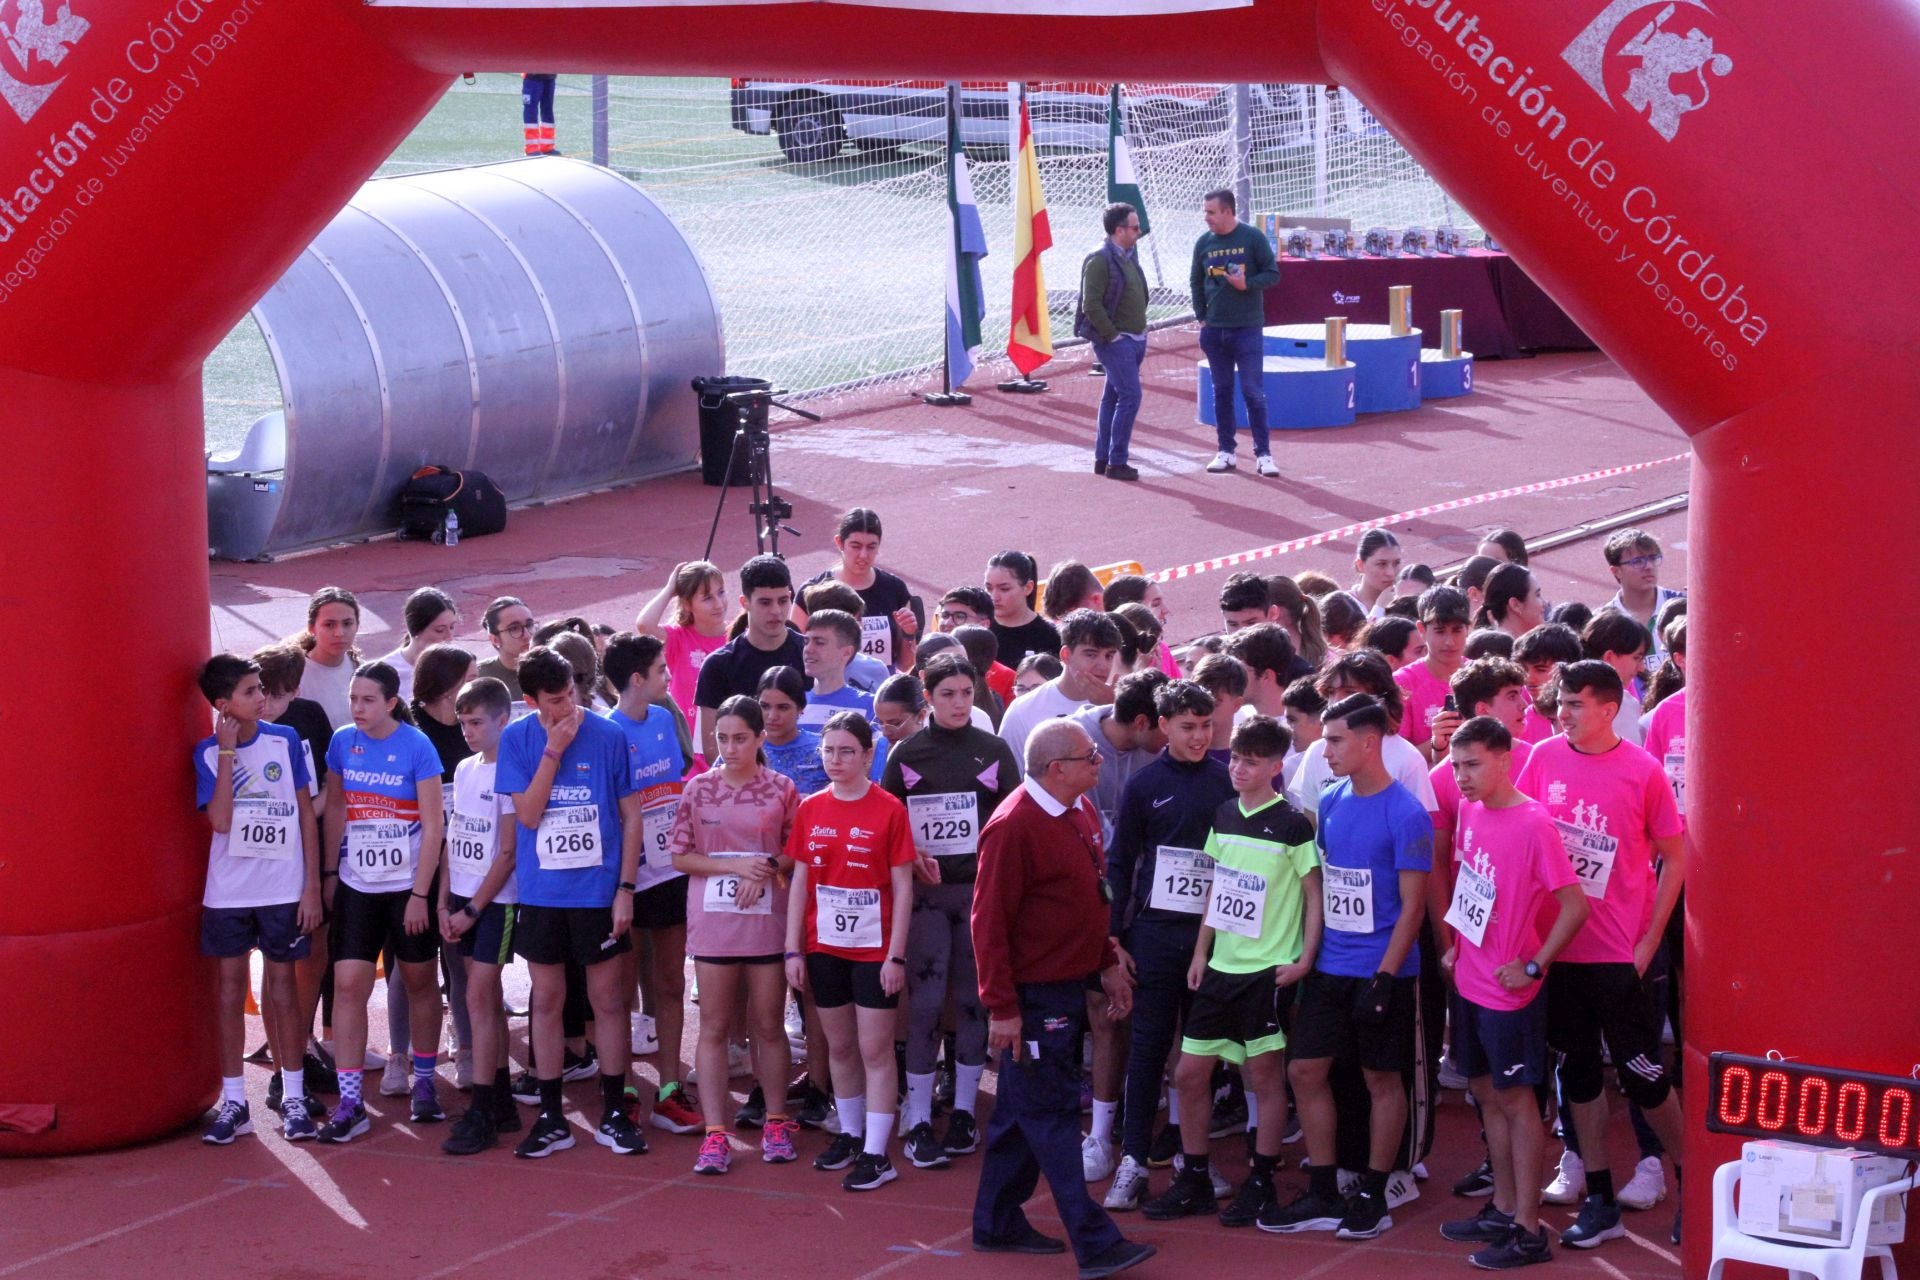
(715, 1155)
(776, 1142)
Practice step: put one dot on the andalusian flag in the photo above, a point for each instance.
(966, 245)
(1123, 185)
(1030, 343)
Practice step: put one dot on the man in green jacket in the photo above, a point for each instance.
(1232, 266)
(1113, 304)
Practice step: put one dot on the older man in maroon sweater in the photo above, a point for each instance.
(1040, 935)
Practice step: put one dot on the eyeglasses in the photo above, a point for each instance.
(1643, 562)
(1090, 756)
(839, 753)
(518, 629)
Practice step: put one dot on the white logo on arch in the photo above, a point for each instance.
(1662, 56)
(32, 46)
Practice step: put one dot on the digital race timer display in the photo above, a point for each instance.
(1821, 1106)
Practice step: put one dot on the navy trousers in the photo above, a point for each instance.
(1035, 1128)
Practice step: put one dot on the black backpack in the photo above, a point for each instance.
(431, 492)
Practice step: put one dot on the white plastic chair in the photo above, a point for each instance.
(1799, 1261)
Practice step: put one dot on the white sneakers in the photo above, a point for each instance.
(1264, 464)
(739, 1063)
(1569, 1185)
(646, 1039)
(1401, 1189)
(1129, 1184)
(396, 1078)
(1221, 462)
(1096, 1159)
(1647, 1187)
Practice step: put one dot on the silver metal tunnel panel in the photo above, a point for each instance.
(539, 320)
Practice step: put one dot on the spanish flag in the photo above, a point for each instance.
(1030, 342)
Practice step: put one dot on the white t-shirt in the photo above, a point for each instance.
(1629, 724)
(260, 861)
(473, 834)
(1027, 712)
(329, 687)
(398, 661)
(1403, 760)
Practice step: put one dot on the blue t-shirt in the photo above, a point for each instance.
(822, 707)
(653, 748)
(1365, 843)
(594, 770)
(799, 760)
(380, 781)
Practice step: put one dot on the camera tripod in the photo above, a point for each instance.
(753, 439)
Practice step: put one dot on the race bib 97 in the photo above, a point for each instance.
(847, 918)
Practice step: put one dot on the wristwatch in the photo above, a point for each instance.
(627, 885)
(1532, 970)
(466, 909)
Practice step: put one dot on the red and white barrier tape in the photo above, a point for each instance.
(1348, 531)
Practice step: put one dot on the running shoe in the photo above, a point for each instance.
(739, 1063)
(578, 1066)
(506, 1115)
(1598, 1222)
(346, 1124)
(1263, 463)
(276, 1089)
(816, 1111)
(673, 1114)
(618, 1132)
(923, 1148)
(1519, 1249)
(1489, 1226)
(1164, 1147)
(1129, 1184)
(1229, 1118)
(1449, 1078)
(296, 1121)
(1305, 1212)
(396, 1078)
(1366, 1217)
(1115, 1259)
(320, 1076)
(463, 1069)
(1221, 462)
(231, 1120)
(1028, 1241)
(471, 1134)
(1096, 1159)
(776, 1142)
(943, 1084)
(869, 1173)
(1190, 1196)
(962, 1137)
(1569, 1185)
(1401, 1189)
(1647, 1187)
(1252, 1200)
(1477, 1183)
(753, 1112)
(426, 1102)
(837, 1154)
(1221, 1187)
(1293, 1134)
(716, 1155)
(1122, 471)
(526, 1088)
(548, 1135)
(645, 1034)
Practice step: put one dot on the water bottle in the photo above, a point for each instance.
(452, 533)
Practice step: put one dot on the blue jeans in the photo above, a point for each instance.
(1120, 403)
(1231, 351)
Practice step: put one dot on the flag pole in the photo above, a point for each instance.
(1016, 154)
(947, 397)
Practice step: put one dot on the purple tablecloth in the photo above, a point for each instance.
(1504, 313)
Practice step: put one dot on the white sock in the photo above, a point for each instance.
(853, 1114)
(919, 1100)
(966, 1086)
(1173, 1106)
(293, 1084)
(1103, 1113)
(879, 1129)
(233, 1089)
(1253, 1113)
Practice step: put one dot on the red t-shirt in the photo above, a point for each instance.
(850, 848)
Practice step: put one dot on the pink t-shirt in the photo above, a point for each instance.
(714, 819)
(1537, 728)
(1167, 663)
(1608, 809)
(1447, 792)
(686, 650)
(1667, 743)
(1519, 851)
(1425, 694)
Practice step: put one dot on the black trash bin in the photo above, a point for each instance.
(719, 419)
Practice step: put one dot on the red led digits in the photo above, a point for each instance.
(1773, 1100)
(1769, 1097)
(1853, 1094)
(1736, 1096)
(1814, 1092)
(1896, 1117)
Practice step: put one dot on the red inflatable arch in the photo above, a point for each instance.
(1720, 193)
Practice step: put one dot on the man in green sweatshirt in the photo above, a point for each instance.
(1232, 266)
(1113, 316)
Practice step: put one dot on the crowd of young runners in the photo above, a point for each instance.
(1360, 842)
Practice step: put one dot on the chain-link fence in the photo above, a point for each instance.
(819, 208)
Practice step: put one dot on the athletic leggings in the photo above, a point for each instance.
(939, 960)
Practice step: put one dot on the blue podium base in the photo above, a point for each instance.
(1302, 395)
(1444, 379)
(1388, 364)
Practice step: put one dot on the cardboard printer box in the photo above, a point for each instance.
(1811, 1195)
